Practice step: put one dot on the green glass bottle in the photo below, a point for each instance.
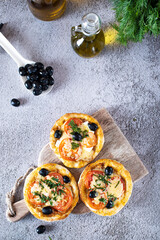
(88, 39)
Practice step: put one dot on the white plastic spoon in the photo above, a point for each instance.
(16, 56)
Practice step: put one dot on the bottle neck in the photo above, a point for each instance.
(91, 25)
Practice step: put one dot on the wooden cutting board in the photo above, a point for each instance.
(115, 147)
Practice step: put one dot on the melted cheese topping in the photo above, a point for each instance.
(96, 182)
(116, 187)
(87, 153)
(45, 191)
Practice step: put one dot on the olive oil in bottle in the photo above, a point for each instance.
(88, 39)
(47, 10)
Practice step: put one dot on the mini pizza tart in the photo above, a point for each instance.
(76, 139)
(50, 192)
(105, 187)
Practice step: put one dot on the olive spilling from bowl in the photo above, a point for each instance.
(37, 77)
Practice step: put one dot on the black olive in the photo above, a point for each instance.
(45, 87)
(39, 65)
(47, 210)
(44, 81)
(49, 70)
(31, 69)
(1, 25)
(37, 85)
(58, 134)
(27, 66)
(92, 126)
(51, 81)
(110, 204)
(108, 170)
(37, 92)
(42, 73)
(28, 84)
(35, 69)
(15, 102)
(92, 194)
(22, 71)
(41, 229)
(43, 172)
(33, 77)
(77, 136)
(66, 179)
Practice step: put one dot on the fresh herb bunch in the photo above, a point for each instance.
(136, 18)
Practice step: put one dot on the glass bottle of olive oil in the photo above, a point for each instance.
(47, 10)
(88, 38)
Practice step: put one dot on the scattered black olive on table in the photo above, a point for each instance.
(58, 134)
(1, 25)
(108, 170)
(37, 77)
(15, 102)
(92, 126)
(41, 229)
(43, 172)
(66, 179)
(110, 204)
(47, 210)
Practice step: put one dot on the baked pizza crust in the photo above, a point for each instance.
(120, 169)
(37, 211)
(99, 134)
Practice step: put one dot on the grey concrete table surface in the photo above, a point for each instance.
(124, 80)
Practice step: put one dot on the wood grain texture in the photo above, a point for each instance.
(116, 147)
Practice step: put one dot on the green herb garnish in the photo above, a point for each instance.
(85, 134)
(74, 145)
(55, 198)
(74, 126)
(102, 178)
(103, 200)
(50, 238)
(117, 184)
(61, 191)
(99, 188)
(55, 179)
(40, 184)
(111, 197)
